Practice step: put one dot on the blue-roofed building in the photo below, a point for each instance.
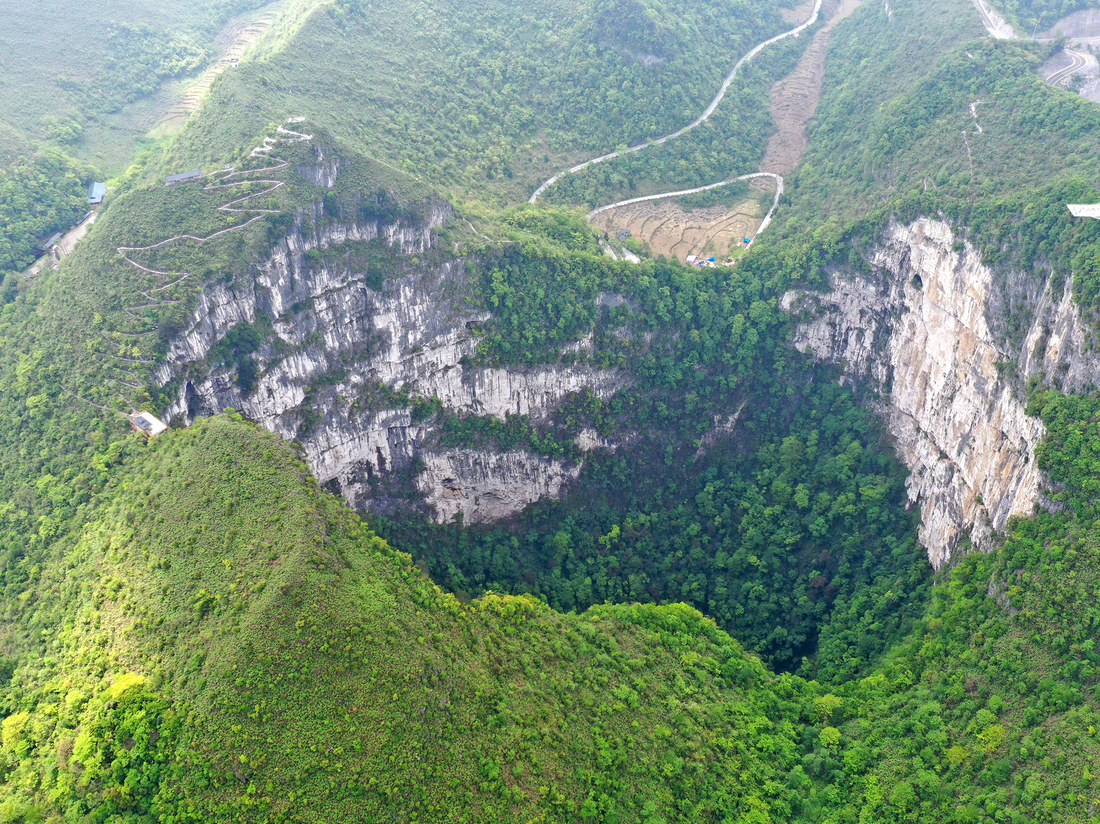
(185, 177)
(96, 192)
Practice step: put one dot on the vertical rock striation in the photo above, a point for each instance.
(923, 333)
(335, 342)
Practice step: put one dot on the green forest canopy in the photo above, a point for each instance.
(190, 630)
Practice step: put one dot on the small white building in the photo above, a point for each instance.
(148, 424)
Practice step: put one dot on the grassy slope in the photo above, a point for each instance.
(873, 60)
(895, 138)
(90, 293)
(988, 713)
(41, 43)
(216, 639)
(68, 345)
(314, 675)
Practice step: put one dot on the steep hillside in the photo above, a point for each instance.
(443, 384)
(93, 78)
(949, 273)
(322, 295)
(488, 101)
(200, 627)
(1037, 15)
(219, 640)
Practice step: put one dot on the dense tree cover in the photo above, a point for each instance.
(191, 630)
(729, 144)
(489, 99)
(988, 713)
(919, 121)
(255, 654)
(1070, 454)
(798, 515)
(1039, 15)
(778, 543)
(38, 196)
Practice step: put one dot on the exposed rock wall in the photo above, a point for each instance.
(413, 335)
(486, 486)
(923, 333)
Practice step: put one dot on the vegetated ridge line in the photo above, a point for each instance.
(220, 181)
(697, 121)
(999, 28)
(763, 224)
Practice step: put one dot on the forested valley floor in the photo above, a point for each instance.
(726, 617)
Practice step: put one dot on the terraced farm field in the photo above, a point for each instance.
(671, 230)
(239, 35)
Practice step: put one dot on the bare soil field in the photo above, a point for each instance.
(795, 97)
(671, 230)
(233, 41)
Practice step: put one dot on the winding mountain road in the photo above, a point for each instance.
(696, 122)
(1078, 61)
(152, 296)
(999, 28)
(996, 25)
(220, 182)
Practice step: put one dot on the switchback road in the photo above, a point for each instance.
(696, 122)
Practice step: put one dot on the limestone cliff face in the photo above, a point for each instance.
(486, 486)
(336, 341)
(925, 333)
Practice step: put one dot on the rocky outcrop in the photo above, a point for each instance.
(335, 346)
(485, 486)
(923, 333)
